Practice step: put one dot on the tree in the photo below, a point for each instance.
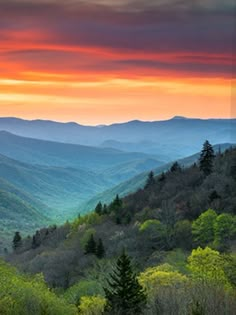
(150, 180)
(99, 208)
(175, 167)
(116, 204)
(36, 240)
(100, 250)
(208, 265)
(224, 230)
(125, 296)
(17, 241)
(206, 158)
(203, 228)
(90, 247)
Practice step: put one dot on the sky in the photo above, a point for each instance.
(99, 62)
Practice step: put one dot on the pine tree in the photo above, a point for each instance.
(150, 180)
(91, 246)
(36, 240)
(105, 210)
(17, 241)
(206, 158)
(175, 167)
(125, 296)
(98, 208)
(116, 205)
(100, 250)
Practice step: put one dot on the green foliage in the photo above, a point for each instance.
(183, 234)
(208, 265)
(203, 228)
(124, 295)
(83, 288)
(92, 305)
(224, 230)
(175, 167)
(28, 296)
(87, 219)
(206, 158)
(155, 278)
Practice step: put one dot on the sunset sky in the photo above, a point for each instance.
(98, 62)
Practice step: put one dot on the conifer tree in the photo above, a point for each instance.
(104, 210)
(125, 296)
(206, 158)
(175, 167)
(91, 246)
(116, 205)
(17, 241)
(150, 180)
(99, 208)
(100, 250)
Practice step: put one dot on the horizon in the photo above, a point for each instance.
(114, 122)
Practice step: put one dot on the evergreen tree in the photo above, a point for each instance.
(175, 167)
(105, 210)
(36, 240)
(150, 180)
(206, 158)
(125, 296)
(162, 177)
(116, 205)
(100, 251)
(91, 246)
(99, 208)
(17, 241)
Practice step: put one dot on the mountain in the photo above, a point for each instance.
(51, 153)
(170, 136)
(138, 181)
(59, 188)
(18, 212)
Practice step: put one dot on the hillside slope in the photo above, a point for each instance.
(138, 181)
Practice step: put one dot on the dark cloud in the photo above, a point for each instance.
(132, 31)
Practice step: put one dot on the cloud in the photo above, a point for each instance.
(147, 37)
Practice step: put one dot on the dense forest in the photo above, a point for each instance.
(169, 248)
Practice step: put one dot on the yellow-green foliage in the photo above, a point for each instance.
(92, 305)
(154, 278)
(207, 264)
(28, 295)
(149, 224)
(88, 219)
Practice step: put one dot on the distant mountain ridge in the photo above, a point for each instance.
(175, 131)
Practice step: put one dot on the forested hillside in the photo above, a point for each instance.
(179, 232)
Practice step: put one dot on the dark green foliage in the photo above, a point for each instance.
(206, 158)
(125, 296)
(90, 247)
(116, 205)
(105, 209)
(175, 167)
(99, 208)
(150, 180)
(197, 309)
(100, 250)
(17, 241)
